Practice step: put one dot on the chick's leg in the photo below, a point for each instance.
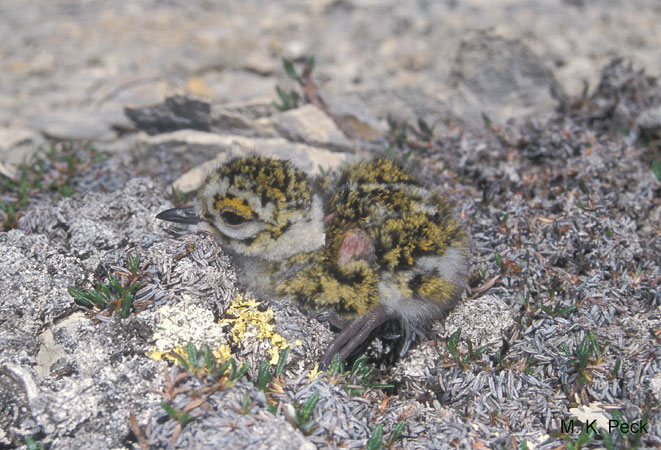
(353, 335)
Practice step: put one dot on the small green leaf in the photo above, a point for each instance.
(309, 405)
(530, 361)
(608, 439)
(80, 297)
(656, 169)
(425, 129)
(191, 352)
(241, 372)
(295, 97)
(116, 285)
(220, 371)
(480, 351)
(106, 290)
(207, 355)
(397, 432)
(246, 404)
(281, 362)
(453, 342)
(358, 365)
(263, 376)
(499, 261)
(125, 309)
(31, 444)
(98, 298)
(336, 366)
(618, 416)
(283, 96)
(177, 415)
(182, 361)
(594, 343)
(135, 287)
(289, 69)
(583, 187)
(483, 272)
(567, 310)
(374, 442)
(488, 123)
(134, 264)
(616, 368)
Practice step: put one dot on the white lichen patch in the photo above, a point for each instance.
(183, 322)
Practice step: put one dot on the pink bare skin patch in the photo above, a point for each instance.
(356, 245)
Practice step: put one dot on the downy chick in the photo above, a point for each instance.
(379, 246)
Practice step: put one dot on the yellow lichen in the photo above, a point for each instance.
(245, 318)
(314, 373)
(221, 353)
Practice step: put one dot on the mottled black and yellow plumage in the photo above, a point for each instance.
(379, 246)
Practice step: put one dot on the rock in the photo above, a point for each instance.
(648, 130)
(252, 109)
(307, 124)
(357, 115)
(482, 320)
(237, 85)
(75, 124)
(17, 145)
(225, 119)
(649, 123)
(176, 113)
(407, 104)
(502, 78)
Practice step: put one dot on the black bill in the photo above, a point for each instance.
(181, 215)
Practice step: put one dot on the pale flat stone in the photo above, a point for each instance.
(307, 124)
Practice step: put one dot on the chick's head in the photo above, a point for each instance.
(261, 207)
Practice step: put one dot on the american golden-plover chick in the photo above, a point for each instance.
(376, 246)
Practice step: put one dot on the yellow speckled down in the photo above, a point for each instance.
(404, 221)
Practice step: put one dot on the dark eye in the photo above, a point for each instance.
(233, 219)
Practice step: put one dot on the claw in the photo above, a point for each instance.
(353, 335)
(410, 334)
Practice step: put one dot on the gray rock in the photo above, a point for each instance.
(358, 114)
(236, 85)
(483, 321)
(75, 124)
(502, 78)
(176, 113)
(17, 145)
(307, 124)
(253, 109)
(649, 123)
